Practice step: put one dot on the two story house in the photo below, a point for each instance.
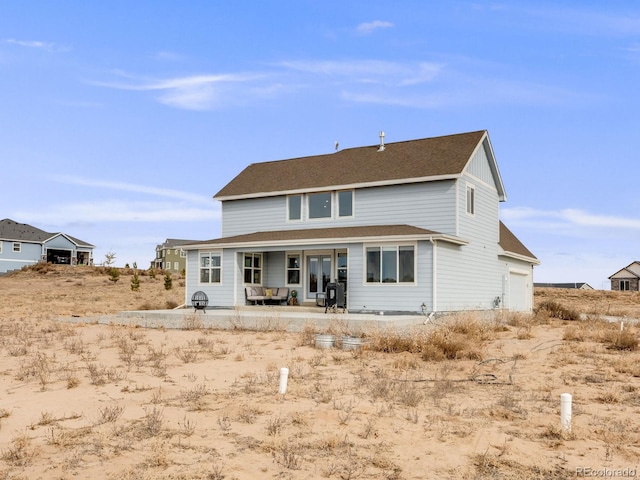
(410, 226)
(171, 256)
(22, 244)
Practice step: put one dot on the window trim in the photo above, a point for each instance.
(298, 269)
(211, 267)
(470, 209)
(289, 197)
(17, 247)
(252, 267)
(338, 192)
(308, 210)
(1, 242)
(397, 246)
(626, 283)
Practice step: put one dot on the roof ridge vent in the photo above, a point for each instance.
(381, 148)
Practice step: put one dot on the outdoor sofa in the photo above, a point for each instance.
(261, 295)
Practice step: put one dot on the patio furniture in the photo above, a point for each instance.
(278, 295)
(199, 301)
(335, 297)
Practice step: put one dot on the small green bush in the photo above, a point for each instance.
(114, 274)
(168, 281)
(135, 282)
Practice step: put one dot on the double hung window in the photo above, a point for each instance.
(210, 268)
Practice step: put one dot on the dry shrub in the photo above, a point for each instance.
(460, 338)
(555, 310)
(629, 365)
(489, 466)
(605, 332)
(621, 340)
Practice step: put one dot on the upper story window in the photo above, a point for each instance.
(17, 247)
(345, 203)
(183, 253)
(471, 200)
(319, 205)
(294, 207)
(210, 267)
(0, 246)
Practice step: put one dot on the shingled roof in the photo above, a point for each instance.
(22, 232)
(510, 243)
(327, 235)
(399, 162)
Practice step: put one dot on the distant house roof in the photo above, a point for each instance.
(511, 245)
(176, 242)
(21, 232)
(328, 235)
(575, 285)
(630, 271)
(400, 162)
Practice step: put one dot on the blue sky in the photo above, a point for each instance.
(120, 120)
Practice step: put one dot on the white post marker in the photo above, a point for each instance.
(284, 375)
(565, 411)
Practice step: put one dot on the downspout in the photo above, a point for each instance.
(434, 276)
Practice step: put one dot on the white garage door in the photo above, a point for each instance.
(518, 291)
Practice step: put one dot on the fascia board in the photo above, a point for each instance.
(517, 256)
(329, 241)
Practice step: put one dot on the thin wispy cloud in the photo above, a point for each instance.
(568, 217)
(30, 44)
(131, 187)
(119, 211)
(36, 45)
(369, 71)
(195, 92)
(368, 28)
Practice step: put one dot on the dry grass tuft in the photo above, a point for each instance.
(556, 310)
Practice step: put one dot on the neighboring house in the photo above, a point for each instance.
(577, 285)
(627, 278)
(22, 244)
(409, 226)
(170, 255)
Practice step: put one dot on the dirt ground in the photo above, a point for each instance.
(460, 398)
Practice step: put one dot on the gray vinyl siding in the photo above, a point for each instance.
(469, 276)
(60, 243)
(509, 266)
(220, 294)
(427, 205)
(479, 166)
(29, 254)
(364, 296)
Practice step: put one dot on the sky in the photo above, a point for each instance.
(119, 120)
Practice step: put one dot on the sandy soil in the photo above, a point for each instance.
(104, 401)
